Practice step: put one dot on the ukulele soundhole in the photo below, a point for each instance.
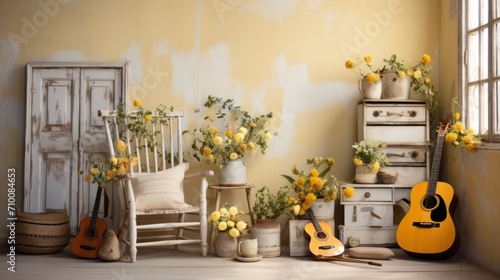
(321, 235)
(430, 203)
(91, 234)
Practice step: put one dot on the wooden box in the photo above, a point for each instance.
(299, 245)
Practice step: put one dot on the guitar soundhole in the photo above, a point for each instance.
(90, 234)
(430, 203)
(321, 235)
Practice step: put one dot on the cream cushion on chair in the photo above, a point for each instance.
(160, 190)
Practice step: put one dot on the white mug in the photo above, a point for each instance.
(247, 247)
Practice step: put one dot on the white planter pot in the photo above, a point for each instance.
(370, 91)
(234, 173)
(395, 87)
(268, 234)
(365, 175)
(322, 209)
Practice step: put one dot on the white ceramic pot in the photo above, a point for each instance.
(365, 175)
(322, 209)
(268, 235)
(368, 90)
(225, 245)
(234, 173)
(395, 87)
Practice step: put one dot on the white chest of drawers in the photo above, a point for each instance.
(370, 214)
(404, 126)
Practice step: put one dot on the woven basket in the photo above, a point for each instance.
(42, 233)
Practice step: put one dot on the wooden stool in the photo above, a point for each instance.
(219, 190)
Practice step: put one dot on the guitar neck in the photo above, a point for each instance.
(95, 212)
(317, 226)
(436, 162)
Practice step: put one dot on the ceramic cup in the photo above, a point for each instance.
(247, 247)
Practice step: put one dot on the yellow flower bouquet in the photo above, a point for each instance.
(460, 136)
(419, 71)
(365, 69)
(227, 219)
(230, 133)
(105, 171)
(318, 182)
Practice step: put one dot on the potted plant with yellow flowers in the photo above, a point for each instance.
(316, 188)
(370, 83)
(369, 158)
(403, 75)
(228, 225)
(227, 136)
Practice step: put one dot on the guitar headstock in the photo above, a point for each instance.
(443, 127)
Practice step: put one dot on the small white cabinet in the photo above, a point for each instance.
(369, 215)
(404, 126)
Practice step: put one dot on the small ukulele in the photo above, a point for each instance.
(322, 241)
(91, 236)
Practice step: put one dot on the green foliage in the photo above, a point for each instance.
(271, 205)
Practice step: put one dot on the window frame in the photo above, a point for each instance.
(491, 140)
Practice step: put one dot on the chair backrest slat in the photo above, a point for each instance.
(165, 143)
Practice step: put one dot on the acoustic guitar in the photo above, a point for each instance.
(427, 229)
(90, 238)
(322, 241)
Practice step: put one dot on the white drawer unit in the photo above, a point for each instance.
(369, 213)
(404, 126)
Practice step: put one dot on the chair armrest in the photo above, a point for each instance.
(198, 175)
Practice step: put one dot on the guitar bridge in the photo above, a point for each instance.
(88, 248)
(425, 225)
(326, 247)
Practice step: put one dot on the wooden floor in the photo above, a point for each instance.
(165, 263)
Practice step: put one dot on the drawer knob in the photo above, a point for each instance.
(412, 113)
(367, 194)
(414, 154)
(377, 113)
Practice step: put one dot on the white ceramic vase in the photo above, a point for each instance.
(268, 235)
(233, 173)
(368, 90)
(322, 209)
(225, 245)
(365, 175)
(395, 87)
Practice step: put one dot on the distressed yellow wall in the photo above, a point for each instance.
(281, 56)
(474, 176)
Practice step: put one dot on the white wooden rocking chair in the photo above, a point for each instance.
(155, 186)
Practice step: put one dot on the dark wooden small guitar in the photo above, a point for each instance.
(427, 230)
(322, 241)
(91, 236)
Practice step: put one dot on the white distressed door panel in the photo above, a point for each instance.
(64, 134)
(54, 132)
(101, 90)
